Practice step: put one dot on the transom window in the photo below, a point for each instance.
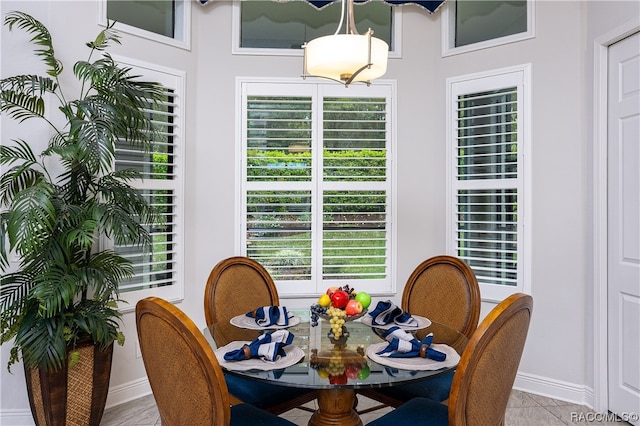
(316, 188)
(469, 25)
(164, 21)
(272, 27)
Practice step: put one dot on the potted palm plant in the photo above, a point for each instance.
(58, 301)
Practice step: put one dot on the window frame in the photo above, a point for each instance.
(448, 32)
(520, 76)
(182, 39)
(395, 50)
(174, 79)
(287, 289)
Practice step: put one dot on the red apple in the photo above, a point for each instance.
(352, 371)
(339, 299)
(353, 307)
(340, 379)
(332, 290)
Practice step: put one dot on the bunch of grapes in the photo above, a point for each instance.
(350, 291)
(316, 312)
(336, 321)
(335, 366)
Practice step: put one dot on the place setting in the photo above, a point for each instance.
(271, 350)
(402, 350)
(387, 315)
(266, 318)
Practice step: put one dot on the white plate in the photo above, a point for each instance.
(294, 355)
(244, 321)
(414, 363)
(422, 323)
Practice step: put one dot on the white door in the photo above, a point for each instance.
(624, 228)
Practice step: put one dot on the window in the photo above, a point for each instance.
(164, 21)
(487, 144)
(471, 25)
(281, 28)
(317, 190)
(158, 269)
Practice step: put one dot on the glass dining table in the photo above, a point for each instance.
(337, 369)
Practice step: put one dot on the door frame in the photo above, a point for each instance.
(600, 217)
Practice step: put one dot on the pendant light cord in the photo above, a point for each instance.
(342, 9)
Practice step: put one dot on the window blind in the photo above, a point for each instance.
(155, 266)
(317, 186)
(354, 237)
(487, 173)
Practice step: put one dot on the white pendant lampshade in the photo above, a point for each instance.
(348, 57)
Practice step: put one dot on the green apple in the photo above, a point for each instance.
(364, 299)
(364, 372)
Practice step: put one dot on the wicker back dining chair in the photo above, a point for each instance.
(485, 375)
(184, 373)
(445, 290)
(238, 285)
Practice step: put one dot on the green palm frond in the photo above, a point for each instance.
(32, 213)
(54, 300)
(45, 338)
(105, 37)
(13, 293)
(22, 151)
(21, 106)
(29, 84)
(41, 37)
(16, 180)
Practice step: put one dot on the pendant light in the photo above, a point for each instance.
(346, 57)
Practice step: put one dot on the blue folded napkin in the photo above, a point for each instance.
(386, 313)
(270, 315)
(405, 345)
(267, 346)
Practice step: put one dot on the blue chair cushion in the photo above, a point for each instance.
(418, 411)
(245, 414)
(259, 394)
(436, 389)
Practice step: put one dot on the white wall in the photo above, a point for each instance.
(557, 360)
(606, 22)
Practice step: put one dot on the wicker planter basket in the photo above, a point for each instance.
(71, 396)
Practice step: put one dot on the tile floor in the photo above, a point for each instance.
(524, 409)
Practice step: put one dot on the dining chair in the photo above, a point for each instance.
(185, 377)
(445, 290)
(238, 285)
(485, 375)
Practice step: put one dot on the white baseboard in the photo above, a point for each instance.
(16, 417)
(117, 395)
(556, 389)
(126, 392)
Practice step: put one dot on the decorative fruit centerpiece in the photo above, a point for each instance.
(338, 305)
(340, 364)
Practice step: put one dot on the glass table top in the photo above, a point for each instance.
(328, 365)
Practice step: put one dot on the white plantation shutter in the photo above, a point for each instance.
(487, 177)
(158, 268)
(355, 189)
(316, 185)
